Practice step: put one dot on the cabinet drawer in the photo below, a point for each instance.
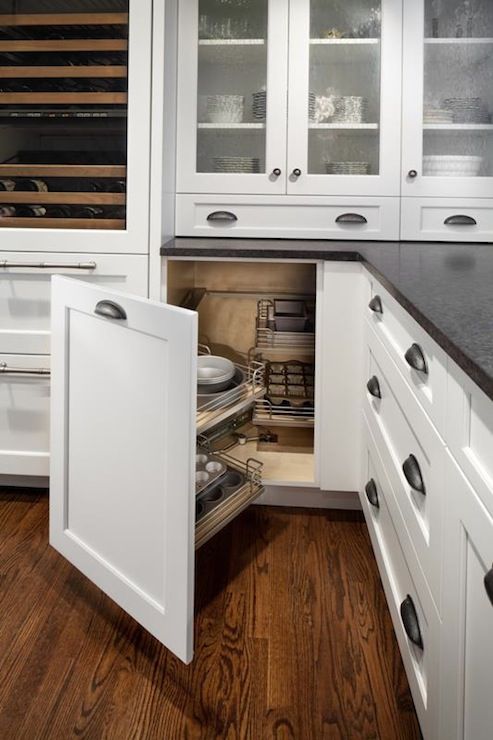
(287, 217)
(447, 219)
(24, 415)
(25, 291)
(470, 432)
(414, 459)
(411, 347)
(421, 664)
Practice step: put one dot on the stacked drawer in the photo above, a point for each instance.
(25, 284)
(405, 458)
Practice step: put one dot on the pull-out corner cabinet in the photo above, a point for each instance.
(122, 506)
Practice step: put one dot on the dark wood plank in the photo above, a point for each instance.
(293, 639)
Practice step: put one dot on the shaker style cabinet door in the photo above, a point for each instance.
(448, 105)
(232, 97)
(75, 99)
(344, 97)
(467, 647)
(122, 503)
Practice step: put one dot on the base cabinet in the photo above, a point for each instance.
(467, 647)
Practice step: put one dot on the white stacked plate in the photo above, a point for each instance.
(453, 165)
(248, 165)
(438, 115)
(467, 110)
(350, 109)
(347, 168)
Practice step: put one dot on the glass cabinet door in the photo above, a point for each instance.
(344, 96)
(64, 118)
(449, 98)
(232, 96)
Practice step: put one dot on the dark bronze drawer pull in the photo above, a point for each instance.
(488, 584)
(412, 473)
(351, 218)
(415, 358)
(460, 220)
(411, 622)
(222, 217)
(373, 387)
(372, 493)
(375, 304)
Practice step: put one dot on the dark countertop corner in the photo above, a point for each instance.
(447, 288)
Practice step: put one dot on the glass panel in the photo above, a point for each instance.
(232, 86)
(344, 97)
(458, 88)
(63, 113)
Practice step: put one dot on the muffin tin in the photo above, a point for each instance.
(209, 470)
(219, 492)
(291, 381)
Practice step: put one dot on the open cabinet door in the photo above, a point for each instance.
(122, 501)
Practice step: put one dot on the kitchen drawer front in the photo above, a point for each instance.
(421, 664)
(25, 291)
(447, 219)
(413, 453)
(24, 415)
(402, 336)
(470, 432)
(287, 217)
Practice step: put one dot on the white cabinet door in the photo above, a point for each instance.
(467, 647)
(122, 507)
(344, 98)
(448, 100)
(232, 98)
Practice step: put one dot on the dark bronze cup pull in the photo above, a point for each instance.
(222, 217)
(351, 218)
(373, 387)
(110, 310)
(411, 622)
(372, 493)
(415, 358)
(488, 584)
(375, 304)
(412, 473)
(460, 220)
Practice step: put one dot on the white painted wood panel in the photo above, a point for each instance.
(24, 417)
(25, 292)
(122, 506)
(425, 219)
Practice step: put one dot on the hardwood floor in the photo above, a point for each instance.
(293, 640)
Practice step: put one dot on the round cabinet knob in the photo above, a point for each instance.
(277, 172)
(297, 172)
(412, 174)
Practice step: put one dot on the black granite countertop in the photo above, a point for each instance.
(447, 288)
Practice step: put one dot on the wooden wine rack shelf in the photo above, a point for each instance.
(97, 224)
(99, 199)
(38, 45)
(63, 170)
(64, 19)
(56, 98)
(47, 72)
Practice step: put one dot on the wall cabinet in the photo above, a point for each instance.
(75, 104)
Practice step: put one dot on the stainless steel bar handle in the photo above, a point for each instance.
(7, 264)
(6, 370)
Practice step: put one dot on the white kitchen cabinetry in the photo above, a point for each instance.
(74, 152)
(467, 647)
(274, 102)
(447, 120)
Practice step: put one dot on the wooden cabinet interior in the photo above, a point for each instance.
(279, 429)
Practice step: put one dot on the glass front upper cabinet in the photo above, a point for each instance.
(237, 71)
(64, 103)
(347, 75)
(453, 136)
